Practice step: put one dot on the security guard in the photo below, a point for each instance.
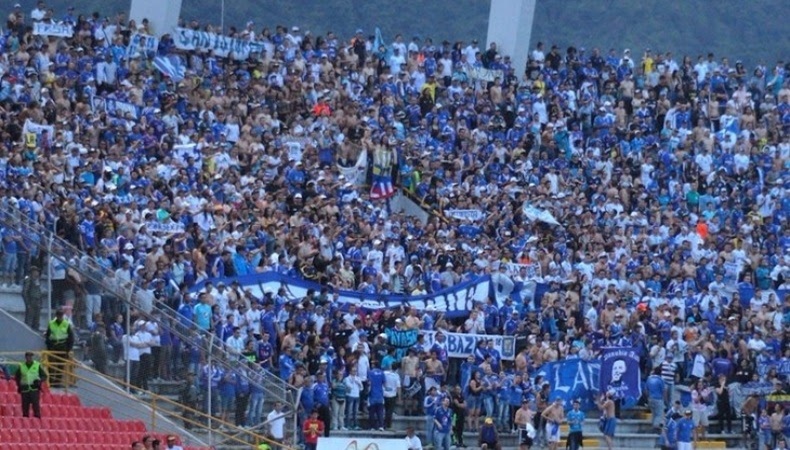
(29, 378)
(60, 340)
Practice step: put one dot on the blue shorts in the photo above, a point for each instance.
(609, 427)
(473, 402)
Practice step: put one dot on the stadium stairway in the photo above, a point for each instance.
(634, 431)
(66, 421)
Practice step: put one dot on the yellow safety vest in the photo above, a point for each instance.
(58, 332)
(29, 375)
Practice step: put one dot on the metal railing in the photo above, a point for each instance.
(156, 411)
(88, 267)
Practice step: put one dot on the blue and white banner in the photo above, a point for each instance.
(167, 228)
(483, 74)
(37, 128)
(536, 214)
(171, 66)
(223, 46)
(573, 379)
(53, 29)
(356, 174)
(115, 108)
(140, 44)
(453, 302)
(471, 215)
(460, 345)
(620, 373)
(782, 366)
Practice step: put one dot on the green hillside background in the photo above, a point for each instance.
(754, 31)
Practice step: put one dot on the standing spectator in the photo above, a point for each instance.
(255, 409)
(553, 415)
(60, 340)
(392, 393)
(189, 398)
(276, 421)
(724, 410)
(354, 387)
(655, 396)
(576, 423)
(29, 378)
(459, 416)
(242, 395)
(98, 345)
(312, 428)
(686, 432)
(701, 397)
(431, 403)
(339, 394)
(376, 398)
(33, 297)
(321, 392)
(608, 420)
(442, 419)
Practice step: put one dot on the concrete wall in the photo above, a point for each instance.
(15, 336)
(510, 26)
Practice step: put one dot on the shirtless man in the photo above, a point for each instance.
(553, 415)
(523, 420)
(606, 405)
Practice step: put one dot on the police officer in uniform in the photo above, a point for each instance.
(29, 378)
(60, 340)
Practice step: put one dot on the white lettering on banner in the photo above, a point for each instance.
(454, 302)
(53, 29)
(186, 39)
(480, 73)
(357, 173)
(170, 227)
(360, 443)
(460, 345)
(141, 43)
(464, 214)
(37, 128)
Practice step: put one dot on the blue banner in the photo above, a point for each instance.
(573, 379)
(456, 301)
(782, 366)
(620, 373)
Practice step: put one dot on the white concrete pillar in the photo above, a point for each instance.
(510, 26)
(162, 15)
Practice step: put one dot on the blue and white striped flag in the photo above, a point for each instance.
(172, 66)
(730, 126)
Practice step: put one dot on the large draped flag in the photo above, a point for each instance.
(382, 174)
(378, 42)
(172, 66)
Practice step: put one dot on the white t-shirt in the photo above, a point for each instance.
(391, 384)
(276, 424)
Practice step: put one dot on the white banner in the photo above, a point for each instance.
(37, 128)
(479, 73)
(169, 228)
(356, 174)
(141, 43)
(184, 151)
(465, 214)
(186, 39)
(461, 345)
(360, 443)
(52, 29)
(115, 108)
(532, 213)
(533, 270)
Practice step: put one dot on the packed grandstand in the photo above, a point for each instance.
(317, 204)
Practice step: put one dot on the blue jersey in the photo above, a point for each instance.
(376, 379)
(575, 420)
(685, 430)
(442, 417)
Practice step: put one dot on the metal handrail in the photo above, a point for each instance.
(50, 359)
(70, 255)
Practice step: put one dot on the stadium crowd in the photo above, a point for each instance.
(660, 187)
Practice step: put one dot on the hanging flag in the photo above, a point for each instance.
(172, 66)
(378, 42)
(730, 126)
(382, 174)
